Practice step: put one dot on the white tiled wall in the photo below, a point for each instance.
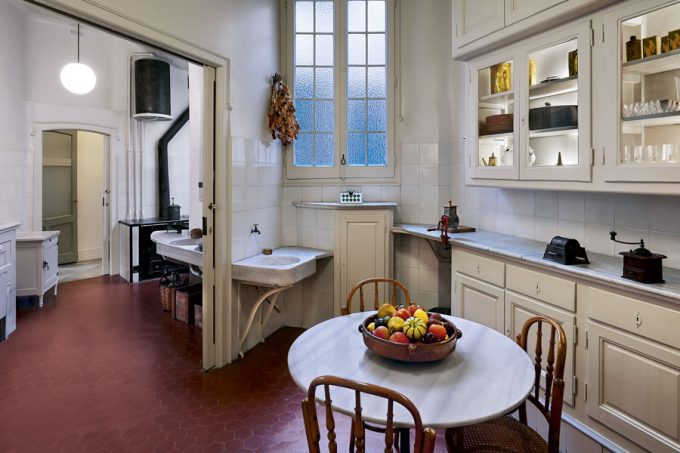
(257, 175)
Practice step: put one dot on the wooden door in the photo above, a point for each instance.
(60, 191)
(518, 309)
(474, 19)
(478, 301)
(363, 250)
(517, 10)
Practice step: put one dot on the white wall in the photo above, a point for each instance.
(90, 169)
(15, 161)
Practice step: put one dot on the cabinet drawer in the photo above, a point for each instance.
(480, 267)
(547, 288)
(5, 253)
(635, 316)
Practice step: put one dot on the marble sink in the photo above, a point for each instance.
(284, 267)
(178, 247)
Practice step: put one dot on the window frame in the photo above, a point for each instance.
(344, 173)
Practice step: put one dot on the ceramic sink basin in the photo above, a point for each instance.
(186, 242)
(179, 248)
(286, 266)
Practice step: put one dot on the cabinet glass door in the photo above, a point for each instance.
(650, 94)
(494, 139)
(556, 122)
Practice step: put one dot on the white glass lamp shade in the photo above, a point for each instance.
(78, 78)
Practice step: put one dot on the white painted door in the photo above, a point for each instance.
(474, 19)
(518, 309)
(478, 301)
(517, 10)
(363, 250)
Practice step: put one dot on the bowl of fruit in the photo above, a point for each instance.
(409, 334)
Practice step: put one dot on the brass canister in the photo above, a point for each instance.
(532, 72)
(573, 62)
(665, 44)
(650, 46)
(633, 49)
(492, 160)
(674, 39)
(501, 78)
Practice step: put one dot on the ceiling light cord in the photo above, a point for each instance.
(78, 42)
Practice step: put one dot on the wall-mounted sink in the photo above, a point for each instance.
(178, 247)
(285, 266)
(186, 242)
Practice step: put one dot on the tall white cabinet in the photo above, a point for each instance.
(8, 306)
(37, 253)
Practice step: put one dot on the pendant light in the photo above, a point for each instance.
(78, 77)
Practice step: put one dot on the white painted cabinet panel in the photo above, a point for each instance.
(37, 265)
(8, 273)
(478, 301)
(363, 249)
(517, 10)
(474, 19)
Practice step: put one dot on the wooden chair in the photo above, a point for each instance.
(506, 433)
(424, 437)
(376, 294)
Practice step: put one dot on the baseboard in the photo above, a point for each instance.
(89, 254)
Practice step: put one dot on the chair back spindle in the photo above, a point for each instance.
(424, 437)
(395, 285)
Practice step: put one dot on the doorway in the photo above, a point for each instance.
(75, 200)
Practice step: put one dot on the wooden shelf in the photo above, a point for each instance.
(658, 119)
(499, 136)
(653, 65)
(554, 87)
(554, 131)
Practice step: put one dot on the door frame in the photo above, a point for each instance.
(109, 183)
(218, 344)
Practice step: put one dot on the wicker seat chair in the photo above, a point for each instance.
(424, 437)
(506, 434)
(347, 309)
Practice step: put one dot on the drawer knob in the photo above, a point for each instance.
(538, 288)
(638, 320)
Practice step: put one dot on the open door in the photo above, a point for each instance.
(59, 191)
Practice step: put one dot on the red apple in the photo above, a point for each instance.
(403, 314)
(412, 309)
(399, 337)
(438, 331)
(435, 316)
(382, 332)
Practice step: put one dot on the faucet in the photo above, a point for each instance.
(255, 230)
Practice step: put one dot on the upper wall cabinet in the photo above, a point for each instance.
(640, 97)
(482, 26)
(529, 110)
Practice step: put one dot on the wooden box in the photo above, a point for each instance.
(498, 124)
(198, 315)
(185, 298)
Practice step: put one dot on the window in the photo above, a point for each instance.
(341, 61)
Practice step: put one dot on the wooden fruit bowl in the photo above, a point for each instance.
(412, 352)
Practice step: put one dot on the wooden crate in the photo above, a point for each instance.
(185, 298)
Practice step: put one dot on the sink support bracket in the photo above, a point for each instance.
(265, 295)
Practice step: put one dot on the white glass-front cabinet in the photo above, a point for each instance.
(641, 53)
(532, 110)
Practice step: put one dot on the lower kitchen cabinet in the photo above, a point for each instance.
(478, 301)
(37, 266)
(8, 306)
(363, 249)
(634, 369)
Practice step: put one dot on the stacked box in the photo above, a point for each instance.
(185, 298)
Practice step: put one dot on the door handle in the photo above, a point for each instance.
(212, 206)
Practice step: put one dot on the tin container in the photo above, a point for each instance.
(665, 44)
(573, 62)
(633, 49)
(674, 39)
(650, 46)
(552, 116)
(501, 78)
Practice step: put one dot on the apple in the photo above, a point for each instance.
(438, 331)
(403, 314)
(435, 316)
(399, 337)
(412, 309)
(382, 332)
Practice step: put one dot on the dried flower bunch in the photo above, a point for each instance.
(282, 121)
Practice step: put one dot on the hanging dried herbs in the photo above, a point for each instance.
(282, 121)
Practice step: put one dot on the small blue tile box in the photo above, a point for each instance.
(351, 197)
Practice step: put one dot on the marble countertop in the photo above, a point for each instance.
(335, 205)
(8, 226)
(602, 268)
(32, 236)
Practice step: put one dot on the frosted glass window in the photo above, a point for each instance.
(314, 61)
(366, 83)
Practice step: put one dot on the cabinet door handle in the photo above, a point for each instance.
(538, 288)
(46, 265)
(478, 270)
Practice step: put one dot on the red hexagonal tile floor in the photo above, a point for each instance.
(102, 368)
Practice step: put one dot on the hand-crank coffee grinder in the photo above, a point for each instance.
(640, 264)
(448, 223)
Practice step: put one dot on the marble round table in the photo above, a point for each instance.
(488, 375)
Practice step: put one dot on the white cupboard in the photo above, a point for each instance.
(37, 265)
(474, 19)
(362, 249)
(8, 306)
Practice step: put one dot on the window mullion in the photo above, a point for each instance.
(341, 81)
